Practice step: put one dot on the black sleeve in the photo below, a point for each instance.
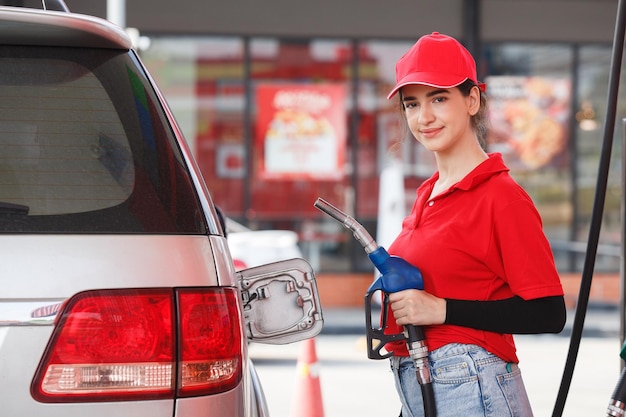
(512, 315)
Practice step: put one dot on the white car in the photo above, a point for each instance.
(257, 247)
(119, 293)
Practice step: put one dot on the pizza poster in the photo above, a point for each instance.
(301, 131)
(529, 119)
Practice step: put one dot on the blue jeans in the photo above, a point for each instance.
(467, 380)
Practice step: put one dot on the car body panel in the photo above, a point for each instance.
(34, 27)
(88, 262)
(85, 262)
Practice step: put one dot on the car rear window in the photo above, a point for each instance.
(85, 147)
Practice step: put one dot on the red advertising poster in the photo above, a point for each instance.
(529, 119)
(301, 131)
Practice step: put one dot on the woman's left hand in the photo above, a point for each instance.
(417, 307)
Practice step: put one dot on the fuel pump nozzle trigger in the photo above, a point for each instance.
(396, 275)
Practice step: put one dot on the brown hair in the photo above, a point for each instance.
(480, 119)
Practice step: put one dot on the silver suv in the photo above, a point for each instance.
(119, 295)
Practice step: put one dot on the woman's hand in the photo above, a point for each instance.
(417, 307)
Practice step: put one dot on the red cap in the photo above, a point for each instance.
(438, 61)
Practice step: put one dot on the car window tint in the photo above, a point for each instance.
(85, 147)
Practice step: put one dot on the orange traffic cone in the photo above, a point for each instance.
(307, 401)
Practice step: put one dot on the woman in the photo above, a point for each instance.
(477, 238)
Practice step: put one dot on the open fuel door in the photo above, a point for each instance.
(281, 302)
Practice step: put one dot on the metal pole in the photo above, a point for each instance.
(248, 130)
(472, 40)
(622, 300)
(573, 147)
(116, 12)
(353, 141)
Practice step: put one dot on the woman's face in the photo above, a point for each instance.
(439, 118)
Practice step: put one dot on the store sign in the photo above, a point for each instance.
(230, 160)
(301, 131)
(529, 119)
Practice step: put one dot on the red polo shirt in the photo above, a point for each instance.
(480, 240)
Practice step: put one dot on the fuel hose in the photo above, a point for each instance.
(597, 212)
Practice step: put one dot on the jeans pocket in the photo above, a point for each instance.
(457, 390)
(512, 387)
(452, 371)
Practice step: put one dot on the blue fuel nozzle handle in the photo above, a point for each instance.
(396, 273)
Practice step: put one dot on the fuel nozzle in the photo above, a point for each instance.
(360, 233)
(396, 275)
(617, 404)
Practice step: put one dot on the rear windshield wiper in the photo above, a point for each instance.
(11, 208)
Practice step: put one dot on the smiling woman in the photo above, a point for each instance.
(477, 238)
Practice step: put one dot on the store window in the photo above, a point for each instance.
(203, 82)
(594, 66)
(387, 155)
(300, 97)
(381, 134)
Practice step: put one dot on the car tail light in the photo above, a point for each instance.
(210, 342)
(139, 344)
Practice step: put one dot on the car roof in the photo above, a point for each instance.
(25, 26)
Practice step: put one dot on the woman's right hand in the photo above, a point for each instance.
(417, 307)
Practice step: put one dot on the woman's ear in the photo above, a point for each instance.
(473, 100)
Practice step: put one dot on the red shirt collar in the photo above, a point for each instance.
(485, 170)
